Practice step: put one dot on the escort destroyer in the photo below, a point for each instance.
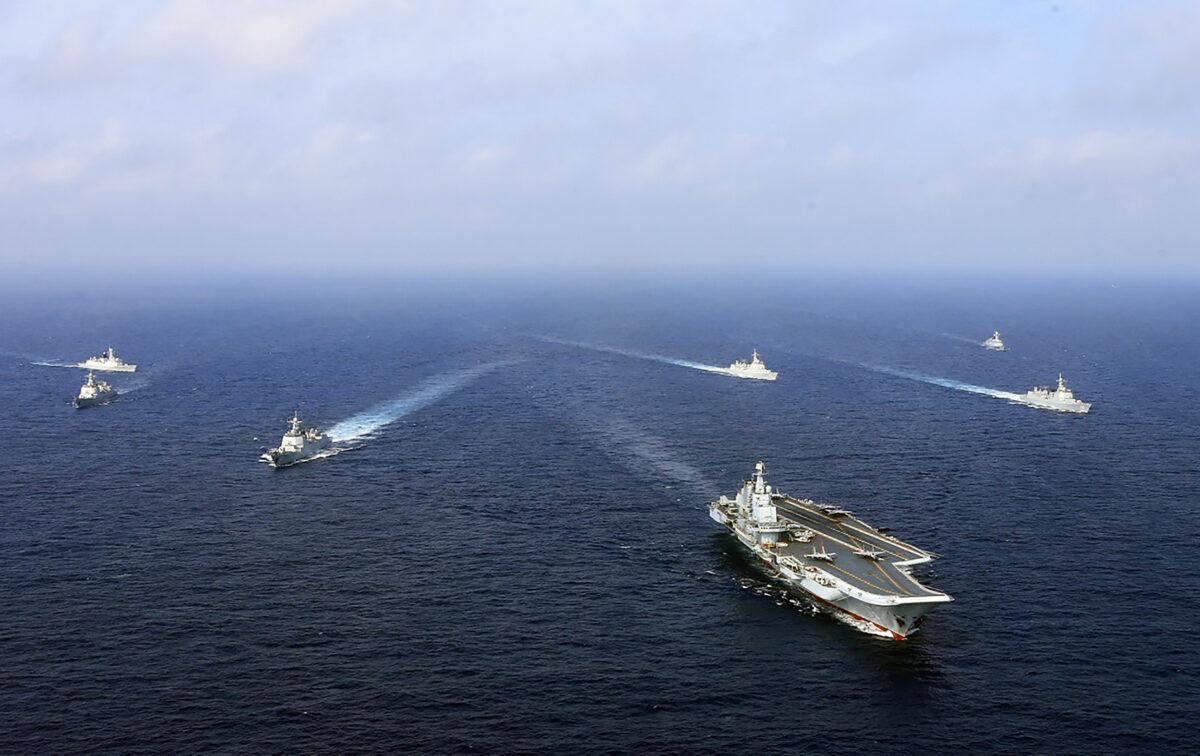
(860, 574)
(94, 393)
(995, 343)
(299, 442)
(1061, 399)
(107, 362)
(754, 369)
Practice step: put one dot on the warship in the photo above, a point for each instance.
(754, 369)
(93, 393)
(1061, 399)
(994, 343)
(299, 442)
(107, 362)
(860, 574)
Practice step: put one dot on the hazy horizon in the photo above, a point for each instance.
(523, 140)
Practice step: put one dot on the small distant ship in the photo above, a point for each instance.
(94, 393)
(107, 362)
(754, 369)
(838, 560)
(1061, 399)
(299, 442)
(995, 343)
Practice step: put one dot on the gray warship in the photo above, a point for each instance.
(94, 393)
(299, 442)
(754, 369)
(1061, 399)
(846, 566)
(108, 362)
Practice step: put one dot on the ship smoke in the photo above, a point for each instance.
(637, 355)
(368, 422)
(943, 382)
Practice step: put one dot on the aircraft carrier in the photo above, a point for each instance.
(845, 565)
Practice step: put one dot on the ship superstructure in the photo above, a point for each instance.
(298, 443)
(754, 369)
(107, 362)
(863, 576)
(1061, 399)
(995, 343)
(93, 393)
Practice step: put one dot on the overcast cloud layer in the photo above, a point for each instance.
(521, 137)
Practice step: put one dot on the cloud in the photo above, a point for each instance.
(71, 161)
(240, 35)
(332, 148)
(640, 127)
(1100, 153)
(484, 158)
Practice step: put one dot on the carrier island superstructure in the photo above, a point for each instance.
(838, 560)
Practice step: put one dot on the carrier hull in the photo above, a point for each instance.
(875, 593)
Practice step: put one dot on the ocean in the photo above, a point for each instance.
(510, 551)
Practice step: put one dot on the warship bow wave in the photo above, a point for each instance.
(754, 369)
(846, 565)
(94, 393)
(1061, 399)
(299, 442)
(108, 362)
(995, 343)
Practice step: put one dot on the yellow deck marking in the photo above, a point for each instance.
(853, 576)
(900, 544)
(882, 542)
(889, 577)
(878, 566)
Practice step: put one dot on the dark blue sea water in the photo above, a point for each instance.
(518, 557)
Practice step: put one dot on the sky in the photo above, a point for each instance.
(476, 139)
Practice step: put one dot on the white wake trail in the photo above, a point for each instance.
(364, 424)
(132, 385)
(638, 355)
(963, 339)
(55, 363)
(944, 382)
(639, 448)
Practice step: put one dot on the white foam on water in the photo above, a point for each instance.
(943, 382)
(666, 360)
(367, 423)
(55, 363)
